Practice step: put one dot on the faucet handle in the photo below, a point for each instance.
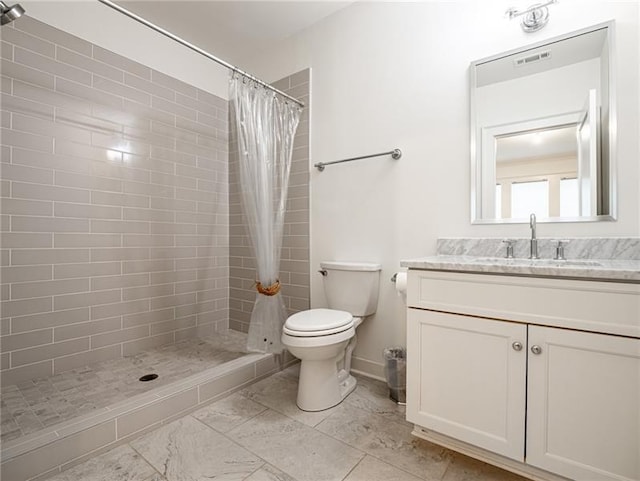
(560, 249)
(509, 243)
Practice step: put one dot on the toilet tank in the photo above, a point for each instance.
(352, 286)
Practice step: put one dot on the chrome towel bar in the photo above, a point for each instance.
(395, 154)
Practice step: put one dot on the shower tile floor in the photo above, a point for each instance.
(258, 434)
(27, 407)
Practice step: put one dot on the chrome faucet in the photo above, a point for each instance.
(533, 252)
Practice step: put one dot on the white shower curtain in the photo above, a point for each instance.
(266, 125)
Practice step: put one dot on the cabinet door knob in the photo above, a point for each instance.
(517, 346)
(536, 349)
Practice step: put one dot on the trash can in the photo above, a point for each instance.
(395, 371)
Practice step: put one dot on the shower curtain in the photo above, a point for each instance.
(266, 125)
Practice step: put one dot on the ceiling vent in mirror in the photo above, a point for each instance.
(526, 60)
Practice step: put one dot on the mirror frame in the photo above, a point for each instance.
(476, 154)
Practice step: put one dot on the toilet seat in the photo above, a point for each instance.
(318, 322)
(307, 341)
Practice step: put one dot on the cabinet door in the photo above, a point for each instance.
(583, 411)
(466, 380)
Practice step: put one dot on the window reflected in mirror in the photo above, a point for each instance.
(569, 200)
(542, 131)
(530, 169)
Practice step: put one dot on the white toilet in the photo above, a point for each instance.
(324, 338)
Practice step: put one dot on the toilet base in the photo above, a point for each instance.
(347, 385)
(321, 387)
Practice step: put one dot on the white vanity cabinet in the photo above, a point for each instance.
(510, 370)
(583, 404)
(471, 381)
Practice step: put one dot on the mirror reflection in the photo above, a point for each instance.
(542, 131)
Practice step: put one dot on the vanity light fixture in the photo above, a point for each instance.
(535, 17)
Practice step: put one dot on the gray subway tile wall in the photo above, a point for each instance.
(294, 263)
(115, 234)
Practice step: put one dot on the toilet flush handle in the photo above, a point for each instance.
(323, 272)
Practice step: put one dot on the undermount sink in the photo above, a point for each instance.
(566, 263)
(503, 261)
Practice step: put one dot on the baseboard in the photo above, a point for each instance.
(367, 368)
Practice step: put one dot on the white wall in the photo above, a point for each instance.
(391, 74)
(103, 26)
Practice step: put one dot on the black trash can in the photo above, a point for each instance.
(395, 371)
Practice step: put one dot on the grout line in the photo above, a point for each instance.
(143, 458)
(354, 468)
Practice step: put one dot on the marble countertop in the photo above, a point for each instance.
(627, 270)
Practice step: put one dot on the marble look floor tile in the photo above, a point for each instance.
(464, 468)
(297, 449)
(229, 412)
(387, 440)
(372, 469)
(373, 396)
(279, 392)
(156, 477)
(120, 464)
(187, 450)
(269, 473)
(191, 449)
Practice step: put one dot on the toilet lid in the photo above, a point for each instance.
(316, 320)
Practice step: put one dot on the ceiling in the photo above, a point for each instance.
(234, 30)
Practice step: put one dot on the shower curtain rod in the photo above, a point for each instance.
(195, 48)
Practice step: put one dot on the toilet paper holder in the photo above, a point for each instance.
(400, 281)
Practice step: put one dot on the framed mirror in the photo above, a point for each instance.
(543, 131)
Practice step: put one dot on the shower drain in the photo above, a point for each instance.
(148, 377)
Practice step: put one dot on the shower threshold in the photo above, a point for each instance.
(111, 404)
